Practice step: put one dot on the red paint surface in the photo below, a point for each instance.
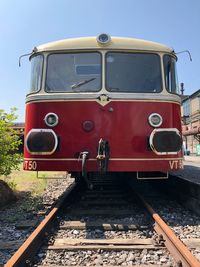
(126, 129)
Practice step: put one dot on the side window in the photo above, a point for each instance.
(36, 73)
(186, 108)
(171, 79)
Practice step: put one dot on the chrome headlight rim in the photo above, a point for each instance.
(47, 117)
(151, 139)
(34, 130)
(150, 120)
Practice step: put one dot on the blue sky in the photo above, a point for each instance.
(25, 24)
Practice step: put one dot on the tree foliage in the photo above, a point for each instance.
(9, 143)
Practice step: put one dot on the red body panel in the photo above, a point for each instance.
(124, 124)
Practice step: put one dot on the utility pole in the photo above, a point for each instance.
(182, 88)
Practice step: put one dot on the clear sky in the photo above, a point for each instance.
(25, 24)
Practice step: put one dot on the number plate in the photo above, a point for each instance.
(30, 165)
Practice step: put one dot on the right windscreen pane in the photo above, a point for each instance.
(133, 72)
(171, 79)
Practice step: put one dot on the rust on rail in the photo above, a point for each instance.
(27, 250)
(179, 251)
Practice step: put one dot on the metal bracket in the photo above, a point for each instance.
(47, 175)
(103, 155)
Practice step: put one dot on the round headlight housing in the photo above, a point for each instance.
(155, 119)
(103, 38)
(51, 119)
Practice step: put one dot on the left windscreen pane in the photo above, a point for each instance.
(36, 73)
(77, 72)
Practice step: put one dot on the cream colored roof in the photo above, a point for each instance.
(91, 43)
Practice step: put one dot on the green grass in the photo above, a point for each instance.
(29, 190)
(20, 180)
(27, 181)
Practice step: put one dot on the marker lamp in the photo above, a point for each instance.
(51, 119)
(155, 120)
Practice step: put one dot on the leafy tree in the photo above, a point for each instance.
(9, 142)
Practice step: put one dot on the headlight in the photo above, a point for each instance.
(165, 141)
(155, 120)
(51, 119)
(103, 38)
(41, 142)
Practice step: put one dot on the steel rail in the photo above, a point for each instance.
(175, 246)
(28, 249)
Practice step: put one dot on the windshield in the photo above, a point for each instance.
(36, 73)
(133, 72)
(171, 78)
(77, 72)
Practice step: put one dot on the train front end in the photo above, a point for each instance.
(103, 105)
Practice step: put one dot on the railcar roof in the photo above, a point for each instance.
(115, 43)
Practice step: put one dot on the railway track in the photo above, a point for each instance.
(110, 225)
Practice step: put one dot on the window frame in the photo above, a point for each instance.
(135, 52)
(187, 107)
(176, 76)
(73, 52)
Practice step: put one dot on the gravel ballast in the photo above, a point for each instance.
(26, 209)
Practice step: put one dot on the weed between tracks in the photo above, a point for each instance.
(29, 191)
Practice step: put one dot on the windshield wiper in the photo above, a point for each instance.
(73, 86)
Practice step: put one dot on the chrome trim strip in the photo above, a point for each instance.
(95, 97)
(112, 159)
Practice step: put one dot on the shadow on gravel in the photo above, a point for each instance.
(6, 194)
(175, 199)
(23, 206)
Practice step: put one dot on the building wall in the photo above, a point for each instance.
(194, 106)
(190, 111)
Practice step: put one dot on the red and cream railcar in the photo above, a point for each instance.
(105, 103)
